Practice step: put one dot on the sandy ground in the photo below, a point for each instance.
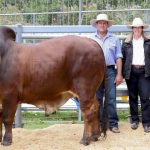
(67, 137)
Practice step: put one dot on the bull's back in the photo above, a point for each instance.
(49, 67)
(76, 54)
(85, 57)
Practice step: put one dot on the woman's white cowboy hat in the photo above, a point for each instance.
(137, 22)
(100, 17)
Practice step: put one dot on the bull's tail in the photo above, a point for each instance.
(105, 112)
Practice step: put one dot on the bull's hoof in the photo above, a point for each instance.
(84, 142)
(6, 142)
(94, 139)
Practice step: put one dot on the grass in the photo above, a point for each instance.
(38, 120)
(33, 120)
(123, 115)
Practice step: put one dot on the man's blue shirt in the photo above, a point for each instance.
(111, 47)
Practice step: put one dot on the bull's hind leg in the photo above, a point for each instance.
(89, 108)
(9, 109)
(96, 124)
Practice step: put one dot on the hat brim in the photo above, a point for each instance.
(145, 26)
(94, 22)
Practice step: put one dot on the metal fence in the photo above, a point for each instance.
(71, 12)
(42, 32)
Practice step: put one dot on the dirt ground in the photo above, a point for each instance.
(67, 137)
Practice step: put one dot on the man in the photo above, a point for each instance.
(113, 56)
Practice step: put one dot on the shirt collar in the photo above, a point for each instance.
(140, 39)
(107, 35)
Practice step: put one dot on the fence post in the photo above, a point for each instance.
(80, 12)
(18, 117)
(79, 115)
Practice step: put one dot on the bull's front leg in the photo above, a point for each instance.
(91, 122)
(9, 109)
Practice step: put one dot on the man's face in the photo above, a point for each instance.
(102, 26)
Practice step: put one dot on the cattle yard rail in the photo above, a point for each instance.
(24, 33)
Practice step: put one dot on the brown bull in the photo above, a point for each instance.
(46, 75)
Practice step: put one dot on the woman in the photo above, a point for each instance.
(136, 71)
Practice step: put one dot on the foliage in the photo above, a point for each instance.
(123, 115)
(66, 12)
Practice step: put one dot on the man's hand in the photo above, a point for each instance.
(118, 79)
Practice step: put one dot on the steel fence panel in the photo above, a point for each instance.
(71, 12)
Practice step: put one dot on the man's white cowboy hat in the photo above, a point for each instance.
(100, 17)
(137, 22)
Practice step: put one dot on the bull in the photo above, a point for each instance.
(46, 75)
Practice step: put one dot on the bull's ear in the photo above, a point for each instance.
(7, 33)
(11, 34)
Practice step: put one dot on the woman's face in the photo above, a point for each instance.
(137, 31)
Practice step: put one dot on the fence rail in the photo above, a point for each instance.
(68, 29)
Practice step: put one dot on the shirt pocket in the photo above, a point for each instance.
(112, 46)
